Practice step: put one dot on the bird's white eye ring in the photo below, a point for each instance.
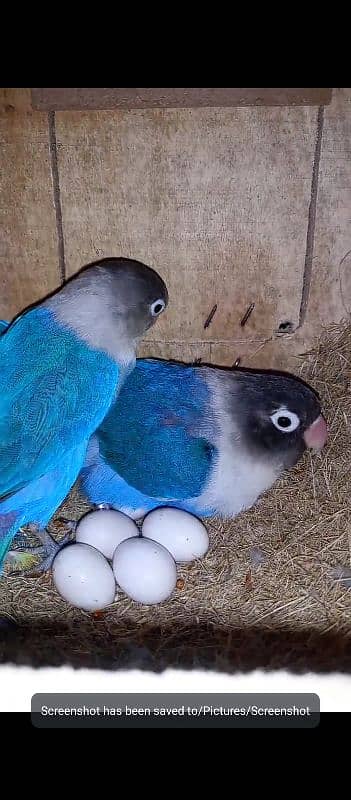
(285, 421)
(157, 307)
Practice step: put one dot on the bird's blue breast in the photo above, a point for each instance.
(54, 392)
(40, 339)
(154, 437)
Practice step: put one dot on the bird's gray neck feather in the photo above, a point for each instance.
(94, 318)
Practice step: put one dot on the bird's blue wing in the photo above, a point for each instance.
(153, 438)
(54, 392)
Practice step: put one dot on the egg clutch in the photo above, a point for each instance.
(110, 552)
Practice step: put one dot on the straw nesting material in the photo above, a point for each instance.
(273, 590)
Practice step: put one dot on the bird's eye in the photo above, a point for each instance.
(285, 421)
(157, 307)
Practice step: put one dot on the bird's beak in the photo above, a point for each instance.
(316, 435)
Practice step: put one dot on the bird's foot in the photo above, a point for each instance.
(25, 561)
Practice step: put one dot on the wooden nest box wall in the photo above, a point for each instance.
(240, 198)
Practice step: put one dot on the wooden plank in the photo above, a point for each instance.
(329, 299)
(216, 200)
(187, 352)
(75, 99)
(28, 246)
(15, 100)
(276, 353)
(330, 292)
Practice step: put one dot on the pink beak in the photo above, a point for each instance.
(316, 435)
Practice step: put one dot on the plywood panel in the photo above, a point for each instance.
(64, 99)
(184, 351)
(330, 289)
(330, 295)
(275, 353)
(216, 200)
(28, 247)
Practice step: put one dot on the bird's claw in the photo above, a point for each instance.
(25, 561)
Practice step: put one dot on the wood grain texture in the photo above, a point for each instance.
(73, 99)
(216, 201)
(187, 352)
(330, 294)
(15, 100)
(28, 246)
(330, 290)
(275, 353)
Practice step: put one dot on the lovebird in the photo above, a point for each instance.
(63, 362)
(208, 440)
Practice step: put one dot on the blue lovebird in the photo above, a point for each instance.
(63, 363)
(207, 440)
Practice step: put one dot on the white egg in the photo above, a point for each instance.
(145, 570)
(83, 577)
(183, 534)
(105, 530)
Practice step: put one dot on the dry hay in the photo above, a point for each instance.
(273, 591)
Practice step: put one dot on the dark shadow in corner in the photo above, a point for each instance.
(98, 646)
